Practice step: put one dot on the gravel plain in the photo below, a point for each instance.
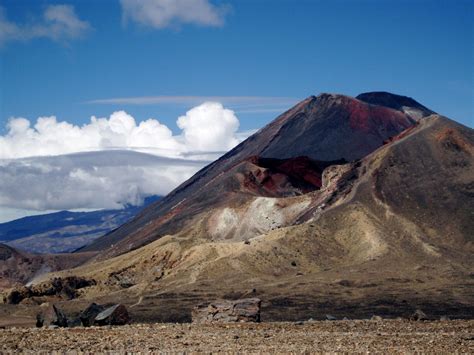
(387, 336)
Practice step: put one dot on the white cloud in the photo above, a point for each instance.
(207, 127)
(55, 165)
(92, 180)
(164, 13)
(58, 22)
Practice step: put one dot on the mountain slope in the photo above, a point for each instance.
(384, 235)
(327, 128)
(65, 231)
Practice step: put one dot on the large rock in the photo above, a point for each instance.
(243, 310)
(115, 315)
(50, 315)
(88, 315)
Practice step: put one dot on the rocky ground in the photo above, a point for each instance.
(388, 336)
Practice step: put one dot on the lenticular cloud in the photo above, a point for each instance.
(207, 127)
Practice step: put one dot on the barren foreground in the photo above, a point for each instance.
(320, 336)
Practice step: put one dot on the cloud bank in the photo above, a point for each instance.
(92, 180)
(55, 165)
(58, 23)
(159, 14)
(207, 127)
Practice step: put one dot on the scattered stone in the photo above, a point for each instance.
(418, 315)
(224, 311)
(88, 315)
(444, 318)
(376, 318)
(330, 317)
(266, 338)
(345, 318)
(115, 315)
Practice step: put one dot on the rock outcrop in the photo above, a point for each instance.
(64, 287)
(226, 311)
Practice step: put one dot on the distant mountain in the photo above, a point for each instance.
(65, 231)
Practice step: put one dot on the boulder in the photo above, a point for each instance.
(88, 315)
(50, 315)
(115, 315)
(418, 315)
(225, 311)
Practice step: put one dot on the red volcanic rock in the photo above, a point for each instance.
(375, 119)
(281, 177)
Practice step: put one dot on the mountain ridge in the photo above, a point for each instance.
(65, 231)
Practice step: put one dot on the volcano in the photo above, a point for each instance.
(328, 129)
(344, 206)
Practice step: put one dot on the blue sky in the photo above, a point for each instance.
(289, 49)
